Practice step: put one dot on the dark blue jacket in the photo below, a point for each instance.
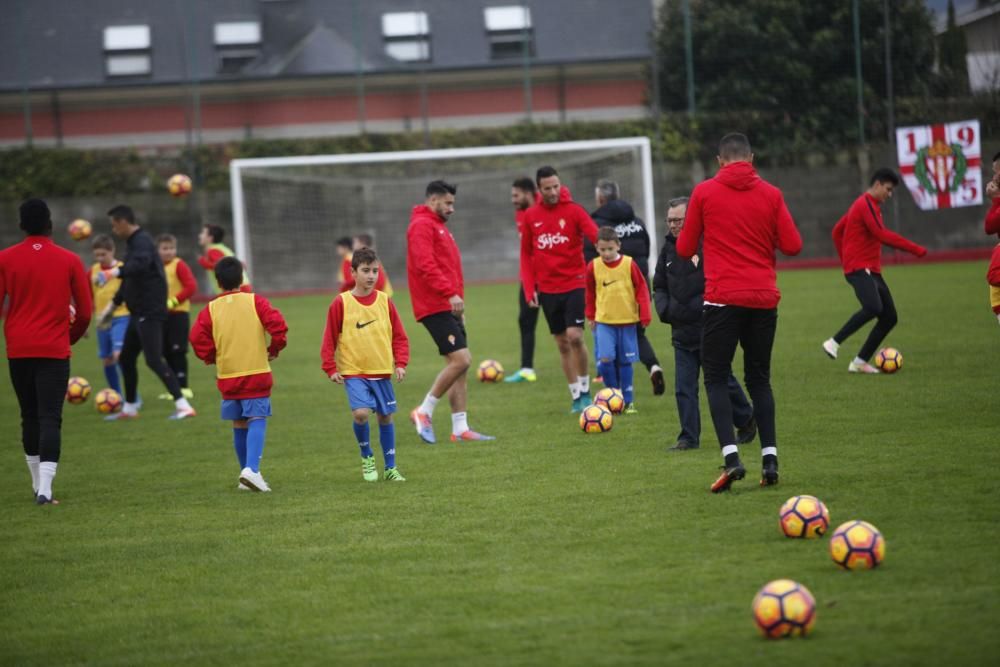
(679, 294)
(631, 230)
(144, 283)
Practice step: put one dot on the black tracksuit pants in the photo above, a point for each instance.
(40, 385)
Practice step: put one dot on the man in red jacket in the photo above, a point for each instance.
(437, 292)
(552, 275)
(43, 284)
(743, 220)
(858, 237)
(993, 192)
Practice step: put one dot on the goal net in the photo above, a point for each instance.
(288, 212)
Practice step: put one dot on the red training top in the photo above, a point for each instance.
(638, 283)
(41, 281)
(244, 386)
(552, 246)
(743, 219)
(859, 236)
(433, 263)
(992, 223)
(335, 323)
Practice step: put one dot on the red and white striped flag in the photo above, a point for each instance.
(941, 164)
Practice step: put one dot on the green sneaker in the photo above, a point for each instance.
(630, 409)
(576, 408)
(368, 469)
(585, 400)
(187, 393)
(522, 375)
(393, 475)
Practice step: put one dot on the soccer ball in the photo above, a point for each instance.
(889, 360)
(179, 185)
(596, 419)
(79, 229)
(803, 516)
(857, 545)
(784, 608)
(77, 390)
(612, 399)
(108, 401)
(490, 371)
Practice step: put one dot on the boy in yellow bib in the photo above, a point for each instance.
(110, 337)
(231, 332)
(364, 346)
(616, 300)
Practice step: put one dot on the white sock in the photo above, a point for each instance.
(859, 361)
(656, 367)
(584, 382)
(427, 407)
(182, 404)
(459, 423)
(532, 370)
(730, 449)
(46, 473)
(130, 408)
(32, 462)
(768, 451)
(834, 344)
(574, 390)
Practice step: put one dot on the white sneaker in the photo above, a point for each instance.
(183, 413)
(863, 367)
(240, 487)
(253, 481)
(830, 346)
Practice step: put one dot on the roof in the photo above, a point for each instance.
(52, 44)
(968, 17)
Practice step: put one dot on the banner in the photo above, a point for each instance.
(940, 164)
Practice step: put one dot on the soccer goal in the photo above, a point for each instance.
(288, 212)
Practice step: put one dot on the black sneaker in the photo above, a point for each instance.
(747, 432)
(681, 446)
(659, 386)
(769, 474)
(728, 476)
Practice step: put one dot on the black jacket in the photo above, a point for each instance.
(631, 230)
(144, 283)
(679, 294)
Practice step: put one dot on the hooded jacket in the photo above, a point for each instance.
(552, 246)
(433, 263)
(631, 230)
(742, 219)
(679, 294)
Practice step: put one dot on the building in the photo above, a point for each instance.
(981, 24)
(114, 73)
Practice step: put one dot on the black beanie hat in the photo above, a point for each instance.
(35, 217)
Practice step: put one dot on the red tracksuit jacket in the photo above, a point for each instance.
(993, 218)
(859, 235)
(41, 281)
(743, 219)
(552, 246)
(433, 263)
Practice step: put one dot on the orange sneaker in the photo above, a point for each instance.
(469, 436)
(425, 427)
(728, 476)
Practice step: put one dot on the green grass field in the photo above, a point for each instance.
(545, 547)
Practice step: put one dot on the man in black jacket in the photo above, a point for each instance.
(678, 294)
(618, 213)
(144, 291)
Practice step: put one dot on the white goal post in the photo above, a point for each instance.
(289, 211)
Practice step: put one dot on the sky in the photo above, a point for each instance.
(940, 7)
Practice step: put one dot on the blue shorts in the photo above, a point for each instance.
(374, 393)
(244, 408)
(110, 340)
(618, 342)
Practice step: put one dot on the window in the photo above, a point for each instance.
(237, 44)
(127, 50)
(407, 36)
(509, 31)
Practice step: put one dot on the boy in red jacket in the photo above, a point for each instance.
(437, 290)
(617, 300)
(859, 236)
(231, 332)
(364, 346)
(743, 220)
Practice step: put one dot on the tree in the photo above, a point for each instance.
(952, 65)
(783, 70)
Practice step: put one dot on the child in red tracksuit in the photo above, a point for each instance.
(231, 333)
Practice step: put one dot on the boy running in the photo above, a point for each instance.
(110, 337)
(231, 332)
(181, 286)
(617, 299)
(210, 240)
(364, 345)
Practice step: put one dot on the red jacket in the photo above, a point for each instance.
(433, 263)
(859, 235)
(335, 324)
(245, 386)
(552, 246)
(993, 218)
(638, 284)
(41, 281)
(743, 219)
(993, 274)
